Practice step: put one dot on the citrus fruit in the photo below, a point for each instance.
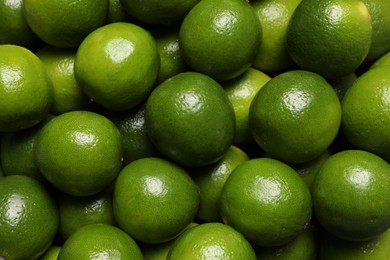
(190, 119)
(13, 26)
(329, 37)
(79, 152)
(135, 141)
(211, 179)
(28, 218)
(266, 201)
(116, 12)
(351, 195)
(342, 84)
(154, 200)
(17, 152)
(51, 254)
(171, 60)
(295, 116)
(76, 212)
(303, 247)
(116, 65)
(334, 248)
(67, 95)
(64, 23)
(274, 16)
(158, 12)
(384, 60)
(99, 241)
(241, 91)
(25, 93)
(366, 121)
(220, 37)
(211, 241)
(380, 18)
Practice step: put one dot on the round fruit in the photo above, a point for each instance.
(116, 65)
(329, 37)
(211, 241)
(351, 195)
(220, 37)
(28, 218)
(154, 200)
(366, 118)
(266, 201)
(100, 241)
(25, 93)
(190, 119)
(79, 152)
(64, 23)
(295, 116)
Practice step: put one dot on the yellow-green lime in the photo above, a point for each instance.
(220, 37)
(158, 12)
(13, 26)
(117, 64)
(334, 248)
(190, 119)
(241, 91)
(329, 37)
(28, 218)
(51, 254)
(25, 92)
(67, 94)
(295, 116)
(274, 16)
(366, 118)
(79, 152)
(211, 179)
(64, 23)
(76, 212)
(380, 18)
(154, 200)
(100, 241)
(266, 201)
(384, 60)
(351, 195)
(211, 241)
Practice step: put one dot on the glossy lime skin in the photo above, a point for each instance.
(266, 201)
(220, 38)
(295, 116)
(25, 93)
(116, 65)
(331, 37)
(190, 119)
(28, 218)
(76, 212)
(366, 112)
(100, 241)
(351, 195)
(154, 200)
(79, 152)
(211, 241)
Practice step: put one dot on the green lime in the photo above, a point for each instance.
(351, 195)
(154, 200)
(79, 152)
(28, 218)
(295, 116)
(100, 241)
(25, 93)
(211, 241)
(51, 254)
(384, 60)
(267, 201)
(329, 37)
(220, 37)
(190, 119)
(117, 64)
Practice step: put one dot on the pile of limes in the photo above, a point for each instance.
(194, 129)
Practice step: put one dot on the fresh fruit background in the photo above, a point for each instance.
(194, 129)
